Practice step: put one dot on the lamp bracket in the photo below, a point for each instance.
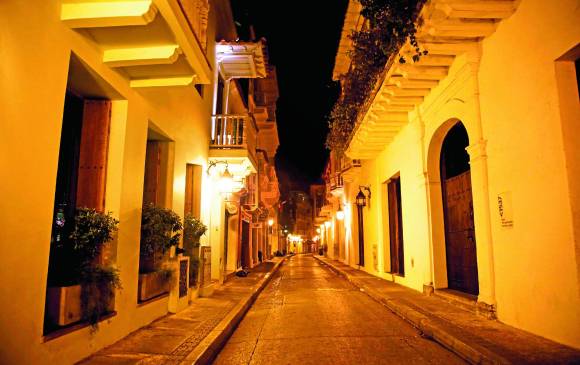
(213, 163)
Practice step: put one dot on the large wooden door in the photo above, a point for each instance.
(396, 227)
(460, 234)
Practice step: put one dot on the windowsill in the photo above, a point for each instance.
(73, 327)
(152, 300)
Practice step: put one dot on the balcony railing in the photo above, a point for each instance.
(336, 182)
(233, 131)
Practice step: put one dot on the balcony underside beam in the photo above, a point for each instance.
(141, 56)
(91, 14)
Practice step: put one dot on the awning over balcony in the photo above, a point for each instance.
(151, 42)
(241, 60)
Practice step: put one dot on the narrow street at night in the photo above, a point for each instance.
(193, 182)
(309, 315)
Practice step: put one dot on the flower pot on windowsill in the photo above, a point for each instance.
(151, 285)
(64, 304)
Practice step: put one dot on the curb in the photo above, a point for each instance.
(423, 323)
(210, 346)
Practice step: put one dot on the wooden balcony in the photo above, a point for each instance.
(233, 139)
(336, 185)
(350, 169)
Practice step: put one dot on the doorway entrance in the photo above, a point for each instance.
(396, 227)
(460, 245)
(245, 245)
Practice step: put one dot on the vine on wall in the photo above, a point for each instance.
(390, 23)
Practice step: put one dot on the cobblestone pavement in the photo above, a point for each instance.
(309, 315)
(169, 340)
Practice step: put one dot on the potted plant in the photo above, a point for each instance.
(193, 229)
(160, 230)
(88, 285)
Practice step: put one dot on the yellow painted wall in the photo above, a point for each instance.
(35, 47)
(530, 271)
(535, 261)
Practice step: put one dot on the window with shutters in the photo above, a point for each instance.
(80, 182)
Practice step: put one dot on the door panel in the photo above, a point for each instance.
(460, 234)
(396, 227)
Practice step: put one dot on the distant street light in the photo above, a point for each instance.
(339, 213)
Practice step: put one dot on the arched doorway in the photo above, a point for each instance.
(460, 248)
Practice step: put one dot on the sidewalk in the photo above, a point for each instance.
(476, 339)
(196, 334)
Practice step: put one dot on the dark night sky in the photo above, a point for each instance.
(302, 40)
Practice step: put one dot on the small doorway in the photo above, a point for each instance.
(245, 244)
(460, 245)
(396, 227)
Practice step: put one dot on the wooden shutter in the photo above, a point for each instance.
(93, 154)
(193, 190)
(152, 172)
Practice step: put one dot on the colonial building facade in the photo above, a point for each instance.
(467, 159)
(118, 106)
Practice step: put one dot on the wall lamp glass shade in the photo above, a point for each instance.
(270, 222)
(327, 224)
(361, 199)
(226, 182)
(340, 214)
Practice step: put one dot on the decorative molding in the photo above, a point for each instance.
(477, 151)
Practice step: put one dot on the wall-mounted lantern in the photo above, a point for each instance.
(361, 198)
(226, 181)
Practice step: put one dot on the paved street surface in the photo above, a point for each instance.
(309, 315)
(170, 339)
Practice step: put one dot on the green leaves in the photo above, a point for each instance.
(91, 231)
(97, 292)
(160, 229)
(390, 24)
(193, 228)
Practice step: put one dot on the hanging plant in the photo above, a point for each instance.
(391, 23)
(97, 292)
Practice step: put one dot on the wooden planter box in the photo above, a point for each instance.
(151, 285)
(64, 304)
